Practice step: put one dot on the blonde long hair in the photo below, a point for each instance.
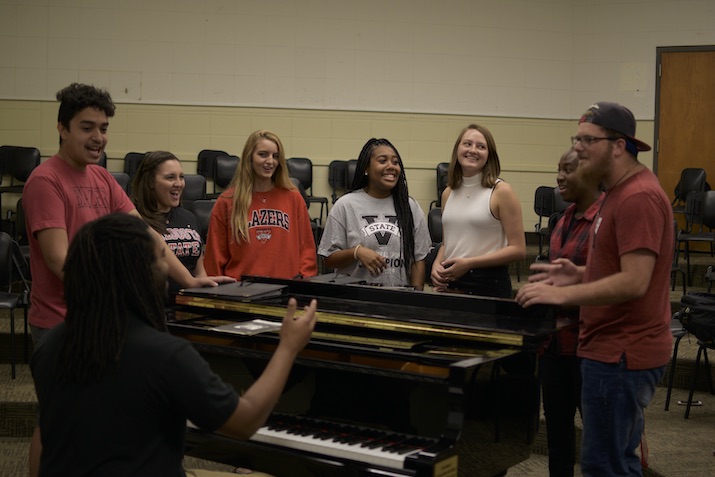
(242, 182)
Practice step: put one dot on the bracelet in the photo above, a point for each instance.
(355, 252)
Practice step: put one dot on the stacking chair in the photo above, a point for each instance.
(226, 166)
(206, 162)
(17, 162)
(434, 225)
(302, 169)
(544, 206)
(202, 210)
(675, 268)
(350, 169)
(21, 237)
(442, 179)
(691, 180)
(678, 331)
(194, 189)
(102, 160)
(10, 300)
(223, 166)
(124, 180)
(336, 177)
(699, 224)
(131, 162)
(702, 355)
(314, 225)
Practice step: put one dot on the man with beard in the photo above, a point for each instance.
(623, 290)
(114, 388)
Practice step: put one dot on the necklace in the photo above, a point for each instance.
(624, 175)
(265, 197)
(608, 195)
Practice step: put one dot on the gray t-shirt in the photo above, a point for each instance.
(358, 218)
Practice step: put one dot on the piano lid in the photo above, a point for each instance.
(462, 317)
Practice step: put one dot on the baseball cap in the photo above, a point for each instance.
(616, 117)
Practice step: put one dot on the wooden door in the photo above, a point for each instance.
(685, 113)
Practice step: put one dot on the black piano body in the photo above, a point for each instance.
(454, 375)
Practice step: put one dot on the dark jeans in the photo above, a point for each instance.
(561, 390)
(612, 403)
(494, 282)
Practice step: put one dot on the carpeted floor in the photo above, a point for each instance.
(678, 447)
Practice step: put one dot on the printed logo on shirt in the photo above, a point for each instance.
(263, 235)
(91, 197)
(269, 218)
(382, 229)
(183, 241)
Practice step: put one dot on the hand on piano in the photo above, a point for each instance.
(213, 281)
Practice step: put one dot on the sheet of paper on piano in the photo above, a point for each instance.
(249, 328)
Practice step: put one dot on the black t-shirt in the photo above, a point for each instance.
(183, 235)
(133, 421)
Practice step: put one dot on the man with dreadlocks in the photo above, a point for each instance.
(377, 232)
(114, 388)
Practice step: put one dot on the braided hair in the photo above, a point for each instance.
(122, 249)
(400, 197)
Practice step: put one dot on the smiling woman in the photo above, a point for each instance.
(481, 216)
(156, 192)
(260, 223)
(377, 232)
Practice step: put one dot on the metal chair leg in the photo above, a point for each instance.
(671, 378)
(694, 381)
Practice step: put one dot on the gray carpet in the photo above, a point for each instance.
(678, 447)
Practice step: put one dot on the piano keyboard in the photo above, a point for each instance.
(365, 445)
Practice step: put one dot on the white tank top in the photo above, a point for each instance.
(470, 229)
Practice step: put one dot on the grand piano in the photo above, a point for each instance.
(392, 383)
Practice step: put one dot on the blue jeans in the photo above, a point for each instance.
(612, 403)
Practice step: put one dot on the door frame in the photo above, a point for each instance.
(658, 61)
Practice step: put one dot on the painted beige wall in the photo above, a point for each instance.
(528, 148)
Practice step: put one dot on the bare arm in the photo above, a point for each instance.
(54, 245)
(179, 273)
(629, 284)
(373, 261)
(199, 270)
(417, 275)
(258, 402)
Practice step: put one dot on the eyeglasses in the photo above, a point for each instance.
(587, 141)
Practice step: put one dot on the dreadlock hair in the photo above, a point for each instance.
(242, 182)
(143, 193)
(98, 304)
(76, 97)
(492, 168)
(400, 197)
